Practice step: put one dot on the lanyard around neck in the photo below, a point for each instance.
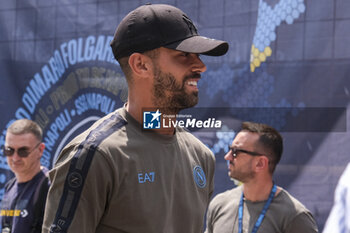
(262, 214)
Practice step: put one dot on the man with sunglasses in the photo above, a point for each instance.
(258, 205)
(23, 203)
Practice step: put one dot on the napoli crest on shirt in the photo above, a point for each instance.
(199, 176)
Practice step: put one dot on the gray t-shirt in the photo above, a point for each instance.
(285, 214)
(117, 178)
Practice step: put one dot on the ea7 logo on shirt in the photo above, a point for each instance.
(146, 177)
(199, 176)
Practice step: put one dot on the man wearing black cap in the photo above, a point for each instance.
(116, 177)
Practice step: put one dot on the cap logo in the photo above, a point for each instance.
(190, 24)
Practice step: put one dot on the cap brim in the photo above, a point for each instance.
(200, 45)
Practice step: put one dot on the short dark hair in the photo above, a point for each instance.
(24, 126)
(124, 63)
(269, 138)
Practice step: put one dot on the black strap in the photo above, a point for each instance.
(39, 200)
(78, 170)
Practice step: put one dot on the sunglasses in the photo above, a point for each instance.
(22, 152)
(235, 152)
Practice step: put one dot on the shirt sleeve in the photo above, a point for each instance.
(303, 222)
(81, 186)
(212, 172)
(338, 219)
(209, 220)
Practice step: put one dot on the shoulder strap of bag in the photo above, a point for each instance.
(39, 204)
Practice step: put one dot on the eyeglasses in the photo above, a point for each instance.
(22, 152)
(235, 152)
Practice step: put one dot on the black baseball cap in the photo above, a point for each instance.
(159, 25)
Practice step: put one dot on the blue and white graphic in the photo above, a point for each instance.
(199, 176)
(269, 19)
(151, 120)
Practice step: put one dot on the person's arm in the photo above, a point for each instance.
(209, 225)
(338, 219)
(79, 192)
(303, 222)
(211, 174)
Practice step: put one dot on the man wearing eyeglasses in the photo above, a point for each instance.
(23, 203)
(258, 205)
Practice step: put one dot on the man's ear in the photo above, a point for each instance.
(262, 163)
(41, 148)
(141, 65)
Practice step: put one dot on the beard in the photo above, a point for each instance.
(239, 174)
(171, 95)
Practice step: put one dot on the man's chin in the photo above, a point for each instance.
(16, 169)
(192, 101)
(188, 103)
(192, 104)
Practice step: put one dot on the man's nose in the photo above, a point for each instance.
(228, 156)
(15, 156)
(198, 65)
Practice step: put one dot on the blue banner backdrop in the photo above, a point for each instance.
(56, 67)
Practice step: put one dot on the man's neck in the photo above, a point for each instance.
(257, 191)
(22, 178)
